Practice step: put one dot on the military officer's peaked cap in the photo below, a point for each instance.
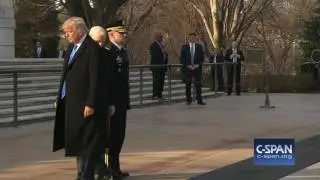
(116, 26)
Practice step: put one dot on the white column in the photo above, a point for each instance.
(7, 27)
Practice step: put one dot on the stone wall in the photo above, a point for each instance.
(7, 27)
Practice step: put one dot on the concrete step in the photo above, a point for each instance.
(35, 61)
(6, 92)
(44, 116)
(29, 67)
(39, 78)
(174, 92)
(147, 89)
(39, 115)
(40, 88)
(30, 86)
(39, 99)
(178, 98)
(56, 76)
(34, 99)
(41, 104)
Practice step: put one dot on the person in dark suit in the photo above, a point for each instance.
(191, 58)
(235, 55)
(121, 99)
(217, 57)
(158, 56)
(99, 35)
(39, 51)
(80, 125)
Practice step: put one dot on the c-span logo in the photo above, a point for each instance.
(274, 152)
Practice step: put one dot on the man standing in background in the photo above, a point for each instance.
(39, 50)
(158, 56)
(191, 58)
(120, 77)
(235, 55)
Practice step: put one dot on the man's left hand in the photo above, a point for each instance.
(88, 111)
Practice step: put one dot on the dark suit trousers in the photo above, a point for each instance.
(220, 81)
(88, 158)
(196, 76)
(158, 82)
(101, 167)
(117, 135)
(231, 78)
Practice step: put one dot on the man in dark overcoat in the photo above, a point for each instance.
(99, 35)
(158, 56)
(191, 58)
(80, 121)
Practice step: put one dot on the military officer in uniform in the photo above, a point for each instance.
(121, 100)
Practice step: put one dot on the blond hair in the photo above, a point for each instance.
(75, 23)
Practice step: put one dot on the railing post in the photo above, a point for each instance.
(266, 85)
(15, 98)
(215, 78)
(169, 84)
(235, 78)
(141, 85)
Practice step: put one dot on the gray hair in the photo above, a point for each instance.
(75, 22)
(96, 32)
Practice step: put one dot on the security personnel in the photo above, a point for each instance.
(234, 54)
(121, 100)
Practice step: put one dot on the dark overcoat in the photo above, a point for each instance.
(157, 57)
(84, 87)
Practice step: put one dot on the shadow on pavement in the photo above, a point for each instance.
(179, 176)
(306, 153)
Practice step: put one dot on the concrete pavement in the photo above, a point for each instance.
(171, 142)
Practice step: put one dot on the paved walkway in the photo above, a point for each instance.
(309, 173)
(171, 142)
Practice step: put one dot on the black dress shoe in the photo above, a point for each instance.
(124, 174)
(188, 103)
(201, 103)
(117, 176)
(121, 173)
(103, 178)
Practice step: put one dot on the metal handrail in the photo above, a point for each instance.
(58, 69)
(14, 71)
(173, 65)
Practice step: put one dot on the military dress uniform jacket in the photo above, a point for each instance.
(119, 68)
